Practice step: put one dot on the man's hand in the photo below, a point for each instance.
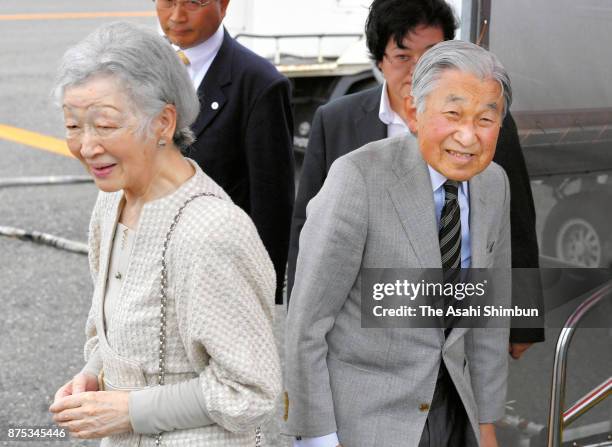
(516, 349)
(91, 415)
(487, 436)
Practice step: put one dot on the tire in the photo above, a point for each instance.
(576, 232)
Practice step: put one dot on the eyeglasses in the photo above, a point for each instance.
(189, 5)
(401, 60)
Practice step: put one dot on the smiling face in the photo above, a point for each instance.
(101, 133)
(190, 28)
(457, 130)
(398, 63)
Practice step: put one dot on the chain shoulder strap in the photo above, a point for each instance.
(161, 374)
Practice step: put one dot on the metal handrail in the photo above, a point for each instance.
(278, 37)
(588, 401)
(46, 180)
(44, 239)
(37, 236)
(556, 420)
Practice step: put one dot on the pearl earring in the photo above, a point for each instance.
(161, 143)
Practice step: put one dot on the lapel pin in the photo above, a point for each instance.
(214, 105)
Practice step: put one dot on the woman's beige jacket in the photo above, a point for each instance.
(221, 286)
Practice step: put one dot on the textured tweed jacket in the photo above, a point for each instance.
(221, 286)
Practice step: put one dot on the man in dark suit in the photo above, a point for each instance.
(244, 130)
(398, 32)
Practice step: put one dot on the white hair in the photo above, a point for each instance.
(143, 64)
(462, 56)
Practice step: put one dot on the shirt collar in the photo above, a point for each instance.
(205, 51)
(385, 113)
(438, 180)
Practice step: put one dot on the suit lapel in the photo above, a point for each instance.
(368, 125)
(412, 199)
(211, 90)
(479, 219)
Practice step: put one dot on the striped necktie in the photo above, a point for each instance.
(450, 241)
(450, 232)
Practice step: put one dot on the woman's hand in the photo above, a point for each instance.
(80, 383)
(90, 414)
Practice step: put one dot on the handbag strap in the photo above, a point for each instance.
(161, 374)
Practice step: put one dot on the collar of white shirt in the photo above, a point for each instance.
(201, 56)
(437, 180)
(395, 123)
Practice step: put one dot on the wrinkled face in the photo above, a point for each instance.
(457, 132)
(190, 28)
(101, 133)
(398, 63)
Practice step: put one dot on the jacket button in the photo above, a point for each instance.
(423, 407)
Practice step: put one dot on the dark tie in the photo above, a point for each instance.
(450, 234)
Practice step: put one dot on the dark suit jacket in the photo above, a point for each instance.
(244, 138)
(352, 121)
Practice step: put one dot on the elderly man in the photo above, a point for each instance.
(398, 32)
(245, 126)
(430, 203)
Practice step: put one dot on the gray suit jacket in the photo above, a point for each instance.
(376, 209)
(352, 121)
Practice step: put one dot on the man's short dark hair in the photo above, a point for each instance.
(396, 18)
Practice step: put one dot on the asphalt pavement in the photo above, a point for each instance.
(45, 292)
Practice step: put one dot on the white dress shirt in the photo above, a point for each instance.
(397, 126)
(395, 123)
(201, 56)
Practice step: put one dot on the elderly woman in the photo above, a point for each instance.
(183, 287)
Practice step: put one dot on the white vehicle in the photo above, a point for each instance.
(324, 54)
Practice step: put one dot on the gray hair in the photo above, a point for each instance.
(462, 56)
(147, 68)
